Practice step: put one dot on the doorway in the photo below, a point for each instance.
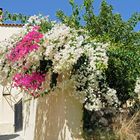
(18, 116)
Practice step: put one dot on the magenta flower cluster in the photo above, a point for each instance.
(29, 81)
(30, 42)
(26, 45)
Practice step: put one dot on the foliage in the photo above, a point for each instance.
(15, 17)
(105, 25)
(123, 64)
(74, 19)
(123, 71)
(1, 15)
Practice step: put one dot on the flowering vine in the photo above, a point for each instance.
(26, 45)
(43, 56)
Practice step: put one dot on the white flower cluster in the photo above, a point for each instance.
(33, 58)
(36, 20)
(95, 103)
(87, 79)
(137, 88)
(98, 100)
(111, 97)
(9, 43)
(58, 33)
(63, 47)
(86, 60)
(6, 46)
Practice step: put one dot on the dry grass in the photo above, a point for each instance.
(127, 128)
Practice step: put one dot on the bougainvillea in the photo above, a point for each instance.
(61, 51)
(26, 45)
(29, 81)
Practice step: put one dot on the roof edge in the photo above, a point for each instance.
(11, 25)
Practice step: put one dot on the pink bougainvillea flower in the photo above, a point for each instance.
(29, 82)
(26, 45)
(36, 27)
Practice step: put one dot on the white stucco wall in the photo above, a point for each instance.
(29, 115)
(6, 116)
(7, 111)
(6, 32)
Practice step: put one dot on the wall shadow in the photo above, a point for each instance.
(8, 137)
(58, 117)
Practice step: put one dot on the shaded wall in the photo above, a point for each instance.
(59, 117)
(29, 115)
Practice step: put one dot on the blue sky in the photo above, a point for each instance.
(49, 7)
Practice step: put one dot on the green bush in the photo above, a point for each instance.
(123, 70)
(124, 53)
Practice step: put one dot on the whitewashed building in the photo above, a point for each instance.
(10, 100)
